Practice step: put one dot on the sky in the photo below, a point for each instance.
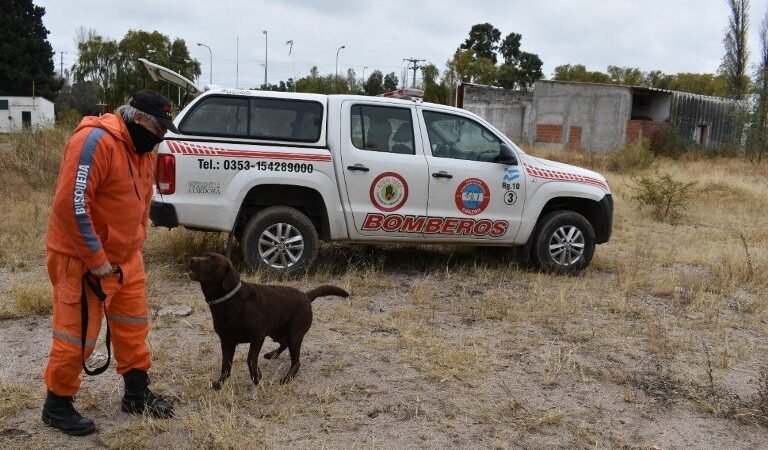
(668, 35)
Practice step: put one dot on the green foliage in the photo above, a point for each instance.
(630, 159)
(434, 91)
(375, 83)
(390, 82)
(627, 76)
(115, 67)
(26, 57)
(579, 72)
(668, 142)
(695, 83)
(668, 198)
(483, 41)
(475, 61)
(734, 64)
(757, 133)
(82, 97)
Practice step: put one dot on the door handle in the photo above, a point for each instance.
(359, 167)
(442, 174)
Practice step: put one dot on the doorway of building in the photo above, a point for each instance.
(26, 119)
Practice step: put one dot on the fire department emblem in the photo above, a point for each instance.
(472, 196)
(389, 191)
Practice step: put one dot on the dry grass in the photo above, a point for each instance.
(459, 347)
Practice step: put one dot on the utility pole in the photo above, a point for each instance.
(416, 66)
(61, 65)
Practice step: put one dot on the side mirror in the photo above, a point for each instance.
(507, 155)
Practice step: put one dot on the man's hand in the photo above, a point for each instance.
(103, 271)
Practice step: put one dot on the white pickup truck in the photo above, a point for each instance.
(283, 171)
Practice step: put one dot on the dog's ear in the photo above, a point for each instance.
(231, 278)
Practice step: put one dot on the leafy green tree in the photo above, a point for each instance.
(434, 91)
(116, 68)
(757, 134)
(319, 84)
(83, 97)
(483, 41)
(628, 76)
(475, 60)
(375, 83)
(734, 65)
(697, 83)
(390, 82)
(26, 56)
(579, 72)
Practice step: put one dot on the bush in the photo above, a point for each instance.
(667, 198)
(668, 142)
(629, 159)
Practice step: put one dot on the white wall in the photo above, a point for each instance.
(41, 110)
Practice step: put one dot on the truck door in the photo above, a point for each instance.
(478, 197)
(384, 170)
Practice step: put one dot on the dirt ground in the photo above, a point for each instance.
(445, 352)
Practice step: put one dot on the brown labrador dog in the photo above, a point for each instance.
(246, 313)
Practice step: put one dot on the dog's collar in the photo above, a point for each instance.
(226, 297)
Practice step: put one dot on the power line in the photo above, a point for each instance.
(416, 67)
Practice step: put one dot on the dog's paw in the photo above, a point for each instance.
(216, 385)
(270, 355)
(286, 379)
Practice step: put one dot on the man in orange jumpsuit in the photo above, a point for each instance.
(97, 226)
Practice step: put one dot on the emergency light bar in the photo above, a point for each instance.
(406, 93)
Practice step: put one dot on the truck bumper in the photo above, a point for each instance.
(163, 215)
(606, 211)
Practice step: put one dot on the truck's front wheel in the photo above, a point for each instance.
(279, 239)
(564, 242)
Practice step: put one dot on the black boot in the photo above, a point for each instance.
(138, 398)
(58, 412)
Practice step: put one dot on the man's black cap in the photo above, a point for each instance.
(155, 105)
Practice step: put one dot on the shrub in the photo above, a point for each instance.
(667, 198)
(629, 159)
(668, 142)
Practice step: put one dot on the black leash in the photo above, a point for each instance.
(95, 286)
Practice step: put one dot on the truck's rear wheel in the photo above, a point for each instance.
(564, 243)
(279, 239)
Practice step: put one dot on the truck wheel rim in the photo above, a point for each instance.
(566, 245)
(281, 246)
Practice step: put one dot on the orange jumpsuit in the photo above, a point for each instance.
(99, 213)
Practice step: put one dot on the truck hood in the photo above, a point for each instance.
(567, 169)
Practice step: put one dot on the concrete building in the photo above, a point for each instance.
(561, 115)
(25, 112)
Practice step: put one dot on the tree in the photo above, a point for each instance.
(483, 41)
(475, 60)
(433, 91)
(757, 135)
(579, 72)
(375, 83)
(83, 97)
(390, 82)
(116, 67)
(628, 76)
(734, 65)
(26, 56)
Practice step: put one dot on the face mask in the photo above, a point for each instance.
(143, 140)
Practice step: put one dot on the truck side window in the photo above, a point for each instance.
(382, 129)
(286, 120)
(458, 137)
(218, 116)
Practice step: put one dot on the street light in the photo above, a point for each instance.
(266, 46)
(337, 67)
(210, 79)
(364, 67)
(290, 51)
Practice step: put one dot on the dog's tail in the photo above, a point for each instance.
(326, 290)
